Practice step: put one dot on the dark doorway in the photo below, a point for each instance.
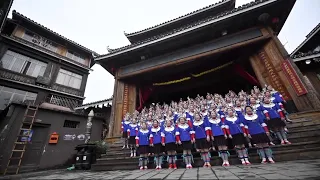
(34, 149)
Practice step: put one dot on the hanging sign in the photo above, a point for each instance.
(27, 133)
(294, 79)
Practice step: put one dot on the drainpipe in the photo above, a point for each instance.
(89, 126)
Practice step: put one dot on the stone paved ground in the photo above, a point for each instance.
(306, 169)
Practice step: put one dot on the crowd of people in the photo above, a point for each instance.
(207, 124)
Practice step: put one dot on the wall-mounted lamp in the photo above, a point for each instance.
(308, 61)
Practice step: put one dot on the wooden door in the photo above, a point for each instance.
(34, 149)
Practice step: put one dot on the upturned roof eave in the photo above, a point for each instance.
(111, 55)
(212, 6)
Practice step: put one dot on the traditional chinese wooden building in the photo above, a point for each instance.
(38, 66)
(214, 49)
(307, 57)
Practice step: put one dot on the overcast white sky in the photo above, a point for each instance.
(99, 23)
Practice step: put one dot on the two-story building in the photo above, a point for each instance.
(39, 66)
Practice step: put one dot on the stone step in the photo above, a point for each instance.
(126, 153)
(294, 135)
(287, 155)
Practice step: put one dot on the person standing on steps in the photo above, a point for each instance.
(185, 138)
(257, 130)
(143, 141)
(169, 140)
(236, 132)
(132, 133)
(202, 136)
(275, 119)
(157, 147)
(124, 127)
(218, 136)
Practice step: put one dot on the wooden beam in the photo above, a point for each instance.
(195, 57)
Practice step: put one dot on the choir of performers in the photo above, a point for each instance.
(185, 138)
(205, 124)
(143, 141)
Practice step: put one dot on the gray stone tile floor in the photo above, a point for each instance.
(304, 169)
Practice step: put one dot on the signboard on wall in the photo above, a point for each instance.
(28, 133)
(294, 79)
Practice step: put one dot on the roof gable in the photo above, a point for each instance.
(20, 17)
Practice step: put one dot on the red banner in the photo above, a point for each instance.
(125, 99)
(294, 79)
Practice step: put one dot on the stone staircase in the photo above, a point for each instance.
(303, 133)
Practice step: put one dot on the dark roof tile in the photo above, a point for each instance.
(14, 12)
(95, 102)
(193, 12)
(188, 26)
(300, 55)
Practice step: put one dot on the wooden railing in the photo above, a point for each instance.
(16, 76)
(65, 89)
(63, 101)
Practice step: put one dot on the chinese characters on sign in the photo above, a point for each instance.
(293, 78)
(274, 77)
(125, 99)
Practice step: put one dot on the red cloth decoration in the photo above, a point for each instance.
(224, 131)
(266, 129)
(244, 130)
(144, 95)
(137, 141)
(151, 140)
(128, 132)
(238, 69)
(189, 123)
(228, 131)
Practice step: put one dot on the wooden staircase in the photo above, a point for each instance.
(303, 133)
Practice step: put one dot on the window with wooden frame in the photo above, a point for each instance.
(22, 64)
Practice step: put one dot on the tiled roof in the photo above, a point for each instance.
(300, 55)
(188, 26)
(180, 17)
(313, 30)
(97, 102)
(308, 37)
(14, 12)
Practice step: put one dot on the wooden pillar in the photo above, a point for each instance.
(124, 100)
(272, 66)
(308, 100)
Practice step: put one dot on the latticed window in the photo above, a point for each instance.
(71, 124)
(22, 64)
(63, 101)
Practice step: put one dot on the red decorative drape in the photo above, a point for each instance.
(239, 70)
(144, 95)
